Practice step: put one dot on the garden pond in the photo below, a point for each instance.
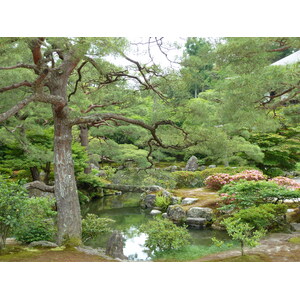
(129, 216)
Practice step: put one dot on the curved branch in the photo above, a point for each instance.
(25, 66)
(15, 86)
(40, 186)
(15, 109)
(78, 80)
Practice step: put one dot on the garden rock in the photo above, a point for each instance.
(200, 212)
(295, 226)
(176, 213)
(148, 201)
(192, 164)
(202, 168)
(171, 168)
(175, 200)
(114, 246)
(196, 222)
(164, 215)
(155, 212)
(212, 166)
(189, 200)
(43, 244)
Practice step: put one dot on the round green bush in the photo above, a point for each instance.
(163, 234)
(36, 222)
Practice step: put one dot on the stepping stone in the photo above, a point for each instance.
(189, 200)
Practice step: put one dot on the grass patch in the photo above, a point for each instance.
(193, 252)
(295, 240)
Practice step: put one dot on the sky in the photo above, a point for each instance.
(144, 52)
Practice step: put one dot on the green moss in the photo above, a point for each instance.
(18, 253)
(71, 242)
(295, 240)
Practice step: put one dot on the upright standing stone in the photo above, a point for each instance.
(192, 164)
(114, 246)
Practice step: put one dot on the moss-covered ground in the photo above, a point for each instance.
(206, 197)
(25, 254)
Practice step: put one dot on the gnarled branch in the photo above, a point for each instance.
(11, 112)
(15, 86)
(25, 66)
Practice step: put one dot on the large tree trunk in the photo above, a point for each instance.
(68, 207)
(65, 189)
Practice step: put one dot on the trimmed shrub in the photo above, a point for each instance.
(12, 197)
(92, 226)
(36, 222)
(286, 182)
(216, 181)
(163, 234)
(186, 179)
(243, 194)
(249, 175)
(228, 170)
(266, 216)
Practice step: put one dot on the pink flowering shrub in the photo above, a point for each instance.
(286, 182)
(215, 182)
(249, 175)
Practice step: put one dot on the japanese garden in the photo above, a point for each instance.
(118, 150)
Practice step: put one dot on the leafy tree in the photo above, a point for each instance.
(197, 69)
(281, 150)
(243, 233)
(55, 66)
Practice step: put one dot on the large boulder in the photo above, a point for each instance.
(176, 213)
(115, 245)
(200, 212)
(192, 164)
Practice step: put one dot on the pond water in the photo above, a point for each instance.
(125, 210)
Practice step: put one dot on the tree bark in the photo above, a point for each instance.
(65, 189)
(84, 141)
